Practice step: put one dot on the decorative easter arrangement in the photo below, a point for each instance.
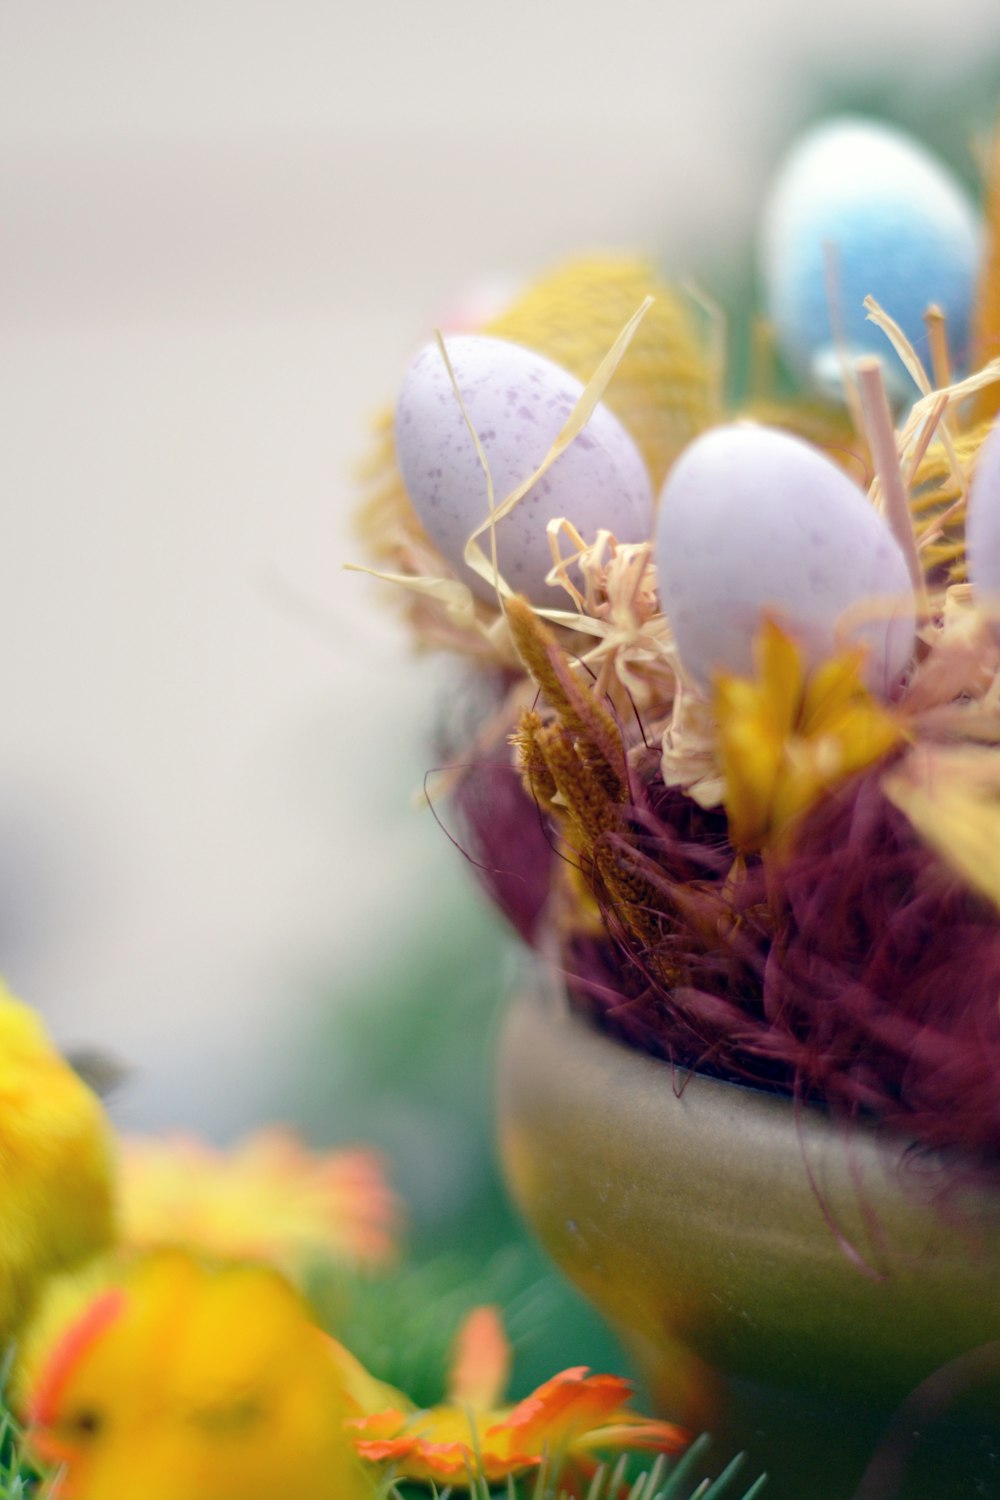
(736, 760)
(726, 752)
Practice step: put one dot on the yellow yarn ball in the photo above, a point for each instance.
(661, 391)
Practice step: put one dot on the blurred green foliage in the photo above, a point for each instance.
(408, 1068)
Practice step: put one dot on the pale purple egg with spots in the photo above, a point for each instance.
(754, 522)
(983, 527)
(518, 403)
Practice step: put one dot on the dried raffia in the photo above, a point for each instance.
(889, 475)
(662, 393)
(937, 463)
(593, 391)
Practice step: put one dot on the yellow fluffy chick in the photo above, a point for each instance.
(57, 1168)
(182, 1381)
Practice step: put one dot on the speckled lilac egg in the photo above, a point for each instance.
(518, 402)
(753, 521)
(983, 526)
(902, 228)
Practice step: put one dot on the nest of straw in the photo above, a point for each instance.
(850, 957)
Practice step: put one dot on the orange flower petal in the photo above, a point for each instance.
(380, 1425)
(450, 1463)
(566, 1418)
(384, 1450)
(633, 1431)
(482, 1361)
(565, 1407)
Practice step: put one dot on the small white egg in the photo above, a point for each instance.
(755, 522)
(518, 402)
(983, 526)
(901, 228)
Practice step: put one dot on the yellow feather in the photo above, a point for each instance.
(787, 737)
(57, 1163)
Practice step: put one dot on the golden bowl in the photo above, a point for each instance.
(783, 1278)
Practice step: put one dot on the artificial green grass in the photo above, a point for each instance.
(18, 1477)
(624, 1480)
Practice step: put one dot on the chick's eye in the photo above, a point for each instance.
(83, 1424)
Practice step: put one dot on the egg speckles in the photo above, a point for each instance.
(753, 521)
(518, 402)
(901, 228)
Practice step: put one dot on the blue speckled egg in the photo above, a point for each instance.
(518, 402)
(904, 230)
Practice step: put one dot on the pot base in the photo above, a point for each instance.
(782, 1281)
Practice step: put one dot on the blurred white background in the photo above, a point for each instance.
(225, 225)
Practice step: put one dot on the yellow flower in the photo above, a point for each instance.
(268, 1199)
(56, 1163)
(569, 1419)
(185, 1383)
(786, 738)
